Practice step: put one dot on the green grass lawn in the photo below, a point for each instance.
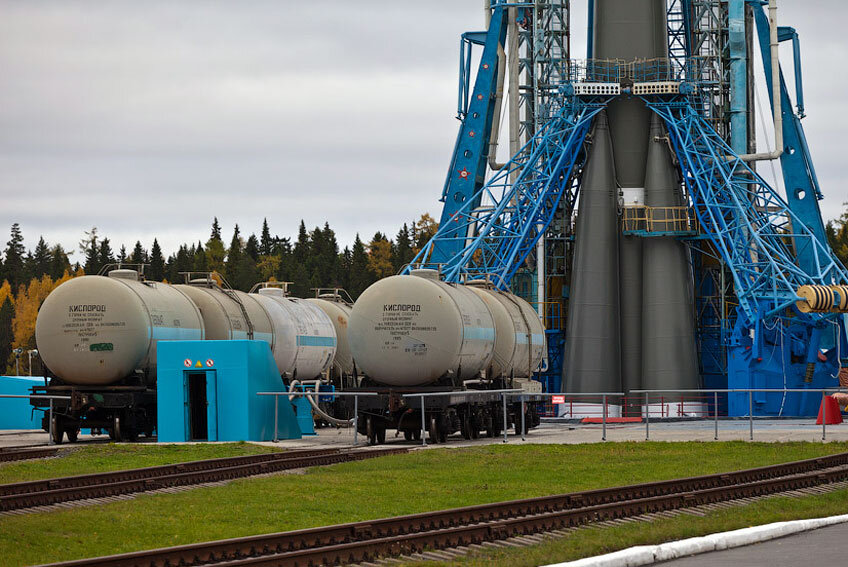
(112, 457)
(591, 542)
(388, 486)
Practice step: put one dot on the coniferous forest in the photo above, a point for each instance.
(311, 259)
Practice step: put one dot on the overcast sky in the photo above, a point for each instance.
(149, 118)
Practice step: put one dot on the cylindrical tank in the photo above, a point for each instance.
(313, 340)
(413, 330)
(228, 314)
(339, 314)
(519, 334)
(95, 330)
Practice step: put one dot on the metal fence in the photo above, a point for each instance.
(682, 395)
(640, 405)
(50, 409)
(355, 395)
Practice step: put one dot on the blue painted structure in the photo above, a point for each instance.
(228, 375)
(767, 245)
(18, 413)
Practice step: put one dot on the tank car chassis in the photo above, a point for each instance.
(122, 411)
(471, 412)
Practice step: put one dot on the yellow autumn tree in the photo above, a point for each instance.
(27, 303)
(5, 291)
(423, 230)
(380, 256)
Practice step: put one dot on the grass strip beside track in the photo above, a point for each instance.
(389, 486)
(592, 542)
(115, 457)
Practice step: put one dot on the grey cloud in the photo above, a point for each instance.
(149, 118)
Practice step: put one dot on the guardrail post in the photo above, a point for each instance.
(423, 425)
(355, 419)
(824, 415)
(504, 416)
(276, 417)
(647, 418)
(50, 424)
(604, 418)
(523, 422)
(750, 415)
(715, 412)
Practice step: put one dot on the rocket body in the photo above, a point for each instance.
(650, 275)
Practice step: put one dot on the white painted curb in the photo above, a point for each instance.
(648, 554)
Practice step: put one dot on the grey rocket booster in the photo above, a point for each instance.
(668, 324)
(591, 359)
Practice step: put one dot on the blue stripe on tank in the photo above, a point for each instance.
(309, 340)
(478, 333)
(521, 338)
(175, 334)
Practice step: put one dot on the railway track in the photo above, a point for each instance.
(474, 525)
(24, 495)
(23, 453)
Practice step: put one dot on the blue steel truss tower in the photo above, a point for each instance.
(754, 252)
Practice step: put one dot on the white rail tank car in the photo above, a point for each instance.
(414, 330)
(96, 330)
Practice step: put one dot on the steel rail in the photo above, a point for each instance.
(99, 485)
(364, 541)
(28, 453)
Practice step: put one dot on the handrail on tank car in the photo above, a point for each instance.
(44, 397)
(138, 267)
(339, 293)
(269, 284)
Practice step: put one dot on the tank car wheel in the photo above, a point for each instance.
(442, 429)
(407, 434)
(416, 434)
(490, 426)
(73, 433)
(465, 426)
(58, 432)
(433, 431)
(474, 425)
(381, 434)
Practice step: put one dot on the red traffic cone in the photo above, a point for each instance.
(834, 413)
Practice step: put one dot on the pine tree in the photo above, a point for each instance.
(201, 261)
(105, 254)
(360, 273)
(92, 259)
(251, 248)
(122, 255)
(139, 254)
(215, 252)
(216, 230)
(13, 265)
(59, 263)
(156, 271)
(266, 243)
(345, 259)
(402, 249)
(41, 259)
(234, 254)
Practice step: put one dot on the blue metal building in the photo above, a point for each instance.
(207, 391)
